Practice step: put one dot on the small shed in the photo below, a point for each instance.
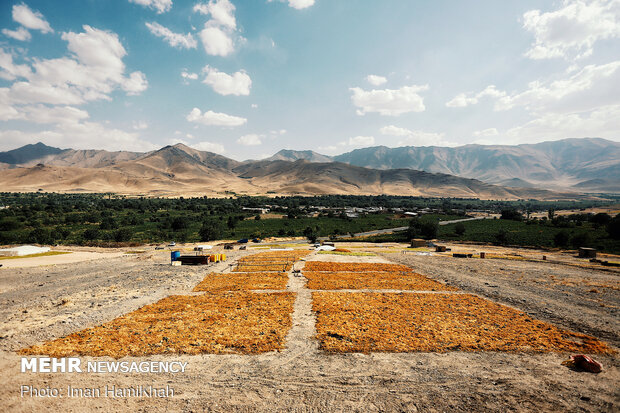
(417, 242)
(587, 252)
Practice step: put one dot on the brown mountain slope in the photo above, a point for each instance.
(179, 170)
(84, 158)
(303, 177)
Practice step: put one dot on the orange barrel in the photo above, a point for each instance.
(213, 258)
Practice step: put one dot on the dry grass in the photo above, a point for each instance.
(372, 280)
(235, 322)
(41, 254)
(390, 322)
(354, 267)
(243, 281)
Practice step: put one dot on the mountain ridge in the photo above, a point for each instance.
(515, 172)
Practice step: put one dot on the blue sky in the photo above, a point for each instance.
(247, 78)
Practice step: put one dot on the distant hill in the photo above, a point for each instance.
(28, 153)
(291, 155)
(581, 164)
(550, 170)
(180, 170)
(303, 177)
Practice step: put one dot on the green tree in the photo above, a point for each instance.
(511, 214)
(561, 239)
(108, 223)
(210, 230)
(501, 237)
(459, 229)
(123, 235)
(179, 224)
(613, 227)
(91, 234)
(310, 234)
(40, 236)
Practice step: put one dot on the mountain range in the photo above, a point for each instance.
(588, 164)
(550, 170)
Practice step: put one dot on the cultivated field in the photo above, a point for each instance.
(395, 332)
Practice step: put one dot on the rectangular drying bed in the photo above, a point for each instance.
(354, 267)
(372, 281)
(234, 322)
(392, 322)
(243, 281)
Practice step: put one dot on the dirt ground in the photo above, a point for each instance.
(46, 302)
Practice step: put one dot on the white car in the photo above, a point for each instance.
(172, 244)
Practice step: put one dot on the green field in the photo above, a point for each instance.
(540, 234)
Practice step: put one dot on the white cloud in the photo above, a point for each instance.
(78, 135)
(182, 41)
(220, 32)
(9, 70)
(187, 75)
(209, 147)
(394, 131)
(216, 41)
(33, 20)
(361, 141)
(415, 137)
(161, 6)
(214, 118)
(389, 102)
(19, 34)
(571, 31)
(376, 80)
(222, 12)
(140, 125)
(54, 115)
(591, 87)
(94, 70)
(486, 132)
(237, 84)
(462, 100)
(603, 122)
(250, 140)
(578, 90)
(329, 148)
(300, 4)
(135, 84)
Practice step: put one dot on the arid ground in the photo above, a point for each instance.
(45, 302)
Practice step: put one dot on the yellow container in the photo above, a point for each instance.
(223, 257)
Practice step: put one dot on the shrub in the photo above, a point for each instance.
(459, 229)
(511, 214)
(501, 237)
(613, 227)
(210, 230)
(581, 239)
(561, 239)
(91, 234)
(123, 235)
